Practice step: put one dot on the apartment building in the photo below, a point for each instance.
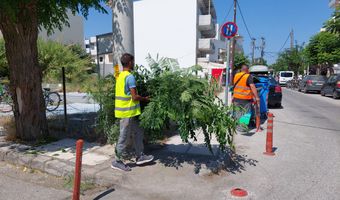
(100, 49)
(184, 30)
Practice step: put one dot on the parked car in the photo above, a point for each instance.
(285, 76)
(312, 83)
(332, 87)
(275, 93)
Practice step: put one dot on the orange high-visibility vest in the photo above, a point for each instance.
(241, 90)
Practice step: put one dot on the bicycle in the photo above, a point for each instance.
(52, 99)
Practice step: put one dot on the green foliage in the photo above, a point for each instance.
(4, 72)
(333, 25)
(176, 95)
(323, 50)
(52, 14)
(187, 100)
(290, 59)
(103, 92)
(240, 59)
(52, 57)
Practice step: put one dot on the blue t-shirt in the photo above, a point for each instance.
(130, 82)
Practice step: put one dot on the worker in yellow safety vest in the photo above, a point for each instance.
(127, 109)
(244, 94)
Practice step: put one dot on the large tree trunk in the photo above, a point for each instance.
(25, 74)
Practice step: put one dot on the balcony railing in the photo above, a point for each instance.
(206, 45)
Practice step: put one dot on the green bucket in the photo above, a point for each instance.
(245, 119)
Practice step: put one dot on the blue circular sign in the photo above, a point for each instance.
(229, 30)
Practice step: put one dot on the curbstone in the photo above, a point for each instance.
(25, 160)
(55, 167)
(39, 162)
(3, 152)
(12, 157)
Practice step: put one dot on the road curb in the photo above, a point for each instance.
(99, 175)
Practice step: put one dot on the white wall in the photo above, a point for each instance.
(167, 28)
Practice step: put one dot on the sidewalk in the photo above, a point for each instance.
(58, 158)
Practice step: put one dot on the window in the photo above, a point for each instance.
(286, 74)
(110, 58)
(100, 59)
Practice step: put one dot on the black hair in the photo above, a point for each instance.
(126, 58)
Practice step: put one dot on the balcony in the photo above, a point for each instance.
(203, 59)
(206, 24)
(206, 45)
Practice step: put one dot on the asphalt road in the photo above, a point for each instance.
(307, 160)
(21, 184)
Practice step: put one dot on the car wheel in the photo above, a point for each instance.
(322, 93)
(335, 95)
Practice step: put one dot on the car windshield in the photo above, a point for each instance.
(286, 74)
(317, 78)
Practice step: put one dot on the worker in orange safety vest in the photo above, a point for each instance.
(244, 94)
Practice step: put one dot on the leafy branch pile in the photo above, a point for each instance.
(177, 96)
(185, 99)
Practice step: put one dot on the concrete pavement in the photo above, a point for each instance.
(19, 185)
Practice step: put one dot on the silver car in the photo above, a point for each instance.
(312, 83)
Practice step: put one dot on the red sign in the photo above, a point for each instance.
(229, 30)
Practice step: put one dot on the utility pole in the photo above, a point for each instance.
(253, 42)
(263, 44)
(292, 40)
(233, 44)
(122, 29)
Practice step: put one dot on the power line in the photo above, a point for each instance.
(285, 43)
(244, 21)
(226, 16)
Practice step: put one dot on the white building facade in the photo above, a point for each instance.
(100, 49)
(183, 30)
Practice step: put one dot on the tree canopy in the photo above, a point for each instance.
(240, 59)
(51, 14)
(323, 49)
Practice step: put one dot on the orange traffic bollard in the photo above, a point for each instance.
(77, 171)
(269, 141)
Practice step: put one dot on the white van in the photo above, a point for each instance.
(285, 76)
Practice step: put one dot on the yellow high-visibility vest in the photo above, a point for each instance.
(125, 106)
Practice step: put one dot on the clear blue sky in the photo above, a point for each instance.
(271, 19)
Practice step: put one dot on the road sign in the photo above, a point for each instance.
(229, 30)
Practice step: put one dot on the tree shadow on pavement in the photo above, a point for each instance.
(226, 161)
